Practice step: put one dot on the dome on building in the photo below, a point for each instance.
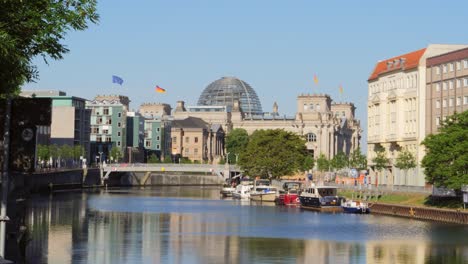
(229, 89)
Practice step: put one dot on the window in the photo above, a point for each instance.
(465, 82)
(186, 139)
(119, 124)
(157, 147)
(444, 103)
(195, 151)
(109, 122)
(118, 133)
(437, 121)
(99, 121)
(148, 143)
(187, 151)
(459, 100)
(105, 131)
(451, 84)
(106, 111)
(465, 100)
(95, 130)
(311, 137)
(343, 113)
(174, 140)
(317, 107)
(465, 64)
(444, 68)
(459, 83)
(158, 129)
(437, 70)
(451, 102)
(444, 86)
(157, 138)
(108, 139)
(98, 139)
(118, 143)
(196, 139)
(451, 67)
(438, 104)
(458, 66)
(437, 87)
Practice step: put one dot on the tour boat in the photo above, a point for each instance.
(355, 207)
(323, 198)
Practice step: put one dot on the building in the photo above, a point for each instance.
(155, 110)
(446, 87)
(397, 112)
(197, 140)
(157, 138)
(70, 119)
(108, 125)
(135, 137)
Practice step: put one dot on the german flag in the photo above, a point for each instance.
(160, 90)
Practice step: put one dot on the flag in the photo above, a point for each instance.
(159, 89)
(117, 79)
(341, 89)
(315, 79)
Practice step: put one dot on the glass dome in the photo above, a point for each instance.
(228, 89)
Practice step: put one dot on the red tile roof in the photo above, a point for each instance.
(411, 61)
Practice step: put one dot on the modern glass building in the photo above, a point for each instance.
(225, 91)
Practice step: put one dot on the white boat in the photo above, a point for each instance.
(243, 190)
(355, 207)
(264, 193)
(227, 190)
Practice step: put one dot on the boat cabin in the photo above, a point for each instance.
(321, 191)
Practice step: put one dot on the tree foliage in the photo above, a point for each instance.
(339, 161)
(36, 28)
(446, 159)
(273, 153)
(405, 160)
(236, 143)
(380, 160)
(116, 154)
(309, 163)
(323, 164)
(153, 159)
(358, 160)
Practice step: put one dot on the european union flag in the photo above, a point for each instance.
(117, 79)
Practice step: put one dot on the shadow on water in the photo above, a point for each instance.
(193, 225)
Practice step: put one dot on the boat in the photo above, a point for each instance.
(243, 190)
(264, 193)
(321, 198)
(290, 193)
(355, 207)
(227, 190)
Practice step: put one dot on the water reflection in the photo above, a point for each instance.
(192, 225)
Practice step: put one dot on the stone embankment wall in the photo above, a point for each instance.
(162, 179)
(423, 213)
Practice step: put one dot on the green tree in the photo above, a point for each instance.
(357, 160)
(405, 161)
(339, 161)
(78, 151)
(323, 164)
(54, 153)
(116, 154)
(236, 143)
(309, 163)
(66, 153)
(273, 153)
(153, 159)
(446, 159)
(43, 153)
(36, 28)
(380, 160)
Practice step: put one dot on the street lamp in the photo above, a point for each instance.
(227, 158)
(100, 158)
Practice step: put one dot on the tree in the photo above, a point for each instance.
(36, 28)
(116, 154)
(358, 160)
(273, 153)
(153, 159)
(446, 159)
(43, 153)
(322, 163)
(380, 160)
(54, 153)
(339, 161)
(405, 161)
(66, 152)
(309, 163)
(236, 143)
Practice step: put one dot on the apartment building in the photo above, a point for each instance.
(446, 87)
(397, 112)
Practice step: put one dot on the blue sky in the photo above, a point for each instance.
(275, 46)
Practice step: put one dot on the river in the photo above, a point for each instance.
(194, 225)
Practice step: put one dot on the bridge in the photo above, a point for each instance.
(221, 171)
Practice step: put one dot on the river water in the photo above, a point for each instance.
(194, 225)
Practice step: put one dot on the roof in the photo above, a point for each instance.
(189, 122)
(405, 62)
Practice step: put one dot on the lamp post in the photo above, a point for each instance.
(227, 158)
(101, 169)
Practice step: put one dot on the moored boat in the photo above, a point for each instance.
(355, 207)
(243, 190)
(322, 198)
(264, 193)
(290, 194)
(227, 190)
